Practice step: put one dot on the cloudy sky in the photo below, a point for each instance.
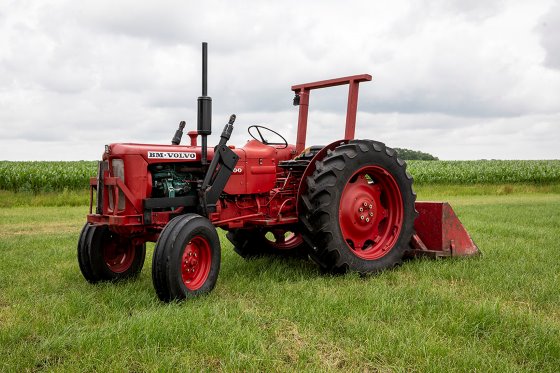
(459, 79)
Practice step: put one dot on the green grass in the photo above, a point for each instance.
(499, 312)
(63, 198)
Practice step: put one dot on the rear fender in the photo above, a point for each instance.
(302, 188)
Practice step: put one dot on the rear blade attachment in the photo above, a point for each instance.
(440, 233)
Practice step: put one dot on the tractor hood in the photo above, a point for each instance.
(156, 153)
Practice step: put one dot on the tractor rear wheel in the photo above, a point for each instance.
(107, 256)
(358, 210)
(254, 243)
(186, 259)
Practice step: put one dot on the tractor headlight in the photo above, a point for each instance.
(117, 166)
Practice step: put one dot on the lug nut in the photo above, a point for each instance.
(361, 209)
(370, 206)
(365, 203)
(362, 217)
(371, 214)
(367, 220)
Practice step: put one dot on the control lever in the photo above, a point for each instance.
(178, 134)
(228, 129)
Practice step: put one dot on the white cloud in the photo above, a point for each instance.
(549, 28)
(481, 77)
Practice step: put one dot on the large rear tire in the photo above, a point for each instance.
(107, 256)
(254, 243)
(186, 259)
(358, 210)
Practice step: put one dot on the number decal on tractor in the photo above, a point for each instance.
(238, 170)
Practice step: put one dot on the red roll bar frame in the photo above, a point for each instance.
(304, 91)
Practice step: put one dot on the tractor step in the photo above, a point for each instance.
(440, 233)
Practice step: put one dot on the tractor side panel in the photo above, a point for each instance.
(261, 177)
(237, 183)
(256, 168)
(136, 179)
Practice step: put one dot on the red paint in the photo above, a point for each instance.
(302, 119)
(193, 135)
(371, 212)
(351, 110)
(118, 255)
(440, 232)
(195, 263)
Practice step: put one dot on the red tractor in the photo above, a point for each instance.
(348, 205)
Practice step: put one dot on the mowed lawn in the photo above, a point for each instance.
(499, 312)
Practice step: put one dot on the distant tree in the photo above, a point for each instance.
(408, 155)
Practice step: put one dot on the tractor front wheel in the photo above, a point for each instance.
(186, 258)
(358, 210)
(107, 256)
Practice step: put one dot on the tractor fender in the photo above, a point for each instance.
(302, 188)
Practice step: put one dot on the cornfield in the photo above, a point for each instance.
(485, 172)
(40, 176)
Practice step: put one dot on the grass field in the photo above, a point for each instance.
(499, 312)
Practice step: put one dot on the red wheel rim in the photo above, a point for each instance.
(283, 240)
(196, 262)
(371, 212)
(118, 255)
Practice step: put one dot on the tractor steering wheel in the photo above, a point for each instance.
(284, 144)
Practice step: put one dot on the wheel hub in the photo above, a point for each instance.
(118, 254)
(370, 212)
(365, 213)
(195, 263)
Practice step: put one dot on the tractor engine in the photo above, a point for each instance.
(174, 180)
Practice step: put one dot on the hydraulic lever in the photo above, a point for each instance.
(219, 171)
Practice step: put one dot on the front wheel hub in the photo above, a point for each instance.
(118, 254)
(195, 263)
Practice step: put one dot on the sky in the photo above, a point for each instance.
(475, 79)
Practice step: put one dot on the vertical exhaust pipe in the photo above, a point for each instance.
(204, 118)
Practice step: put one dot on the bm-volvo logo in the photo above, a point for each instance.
(171, 155)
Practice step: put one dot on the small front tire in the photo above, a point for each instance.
(104, 255)
(186, 259)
